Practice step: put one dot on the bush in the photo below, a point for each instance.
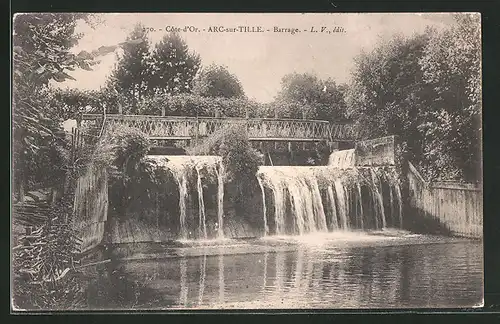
(195, 105)
(241, 163)
(122, 151)
(44, 272)
(122, 147)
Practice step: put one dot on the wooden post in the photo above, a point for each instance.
(72, 154)
(197, 130)
(79, 118)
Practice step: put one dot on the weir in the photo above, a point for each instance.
(301, 199)
(204, 168)
(342, 159)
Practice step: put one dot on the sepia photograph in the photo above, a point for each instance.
(244, 161)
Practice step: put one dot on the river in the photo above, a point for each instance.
(328, 271)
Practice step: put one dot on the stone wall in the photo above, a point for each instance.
(376, 152)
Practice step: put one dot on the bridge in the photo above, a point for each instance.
(258, 129)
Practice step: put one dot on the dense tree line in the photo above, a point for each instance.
(425, 89)
(308, 97)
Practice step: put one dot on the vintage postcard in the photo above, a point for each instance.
(246, 161)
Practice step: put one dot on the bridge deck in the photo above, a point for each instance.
(258, 129)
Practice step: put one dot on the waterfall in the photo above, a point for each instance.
(220, 198)
(377, 191)
(90, 207)
(264, 209)
(333, 208)
(323, 198)
(181, 178)
(279, 205)
(400, 205)
(342, 159)
(204, 168)
(202, 225)
(358, 186)
(342, 199)
(318, 205)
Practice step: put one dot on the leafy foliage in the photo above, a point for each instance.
(41, 54)
(133, 179)
(142, 72)
(173, 67)
(451, 65)
(130, 75)
(306, 96)
(387, 91)
(241, 162)
(426, 90)
(68, 103)
(120, 148)
(194, 105)
(217, 81)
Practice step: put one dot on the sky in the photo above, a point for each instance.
(259, 60)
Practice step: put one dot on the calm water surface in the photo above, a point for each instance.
(333, 271)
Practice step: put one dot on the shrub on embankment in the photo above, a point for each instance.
(136, 184)
(241, 162)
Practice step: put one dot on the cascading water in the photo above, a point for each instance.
(342, 159)
(322, 198)
(220, 200)
(342, 202)
(264, 209)
(182, 168)
(202, 225)
(377, 196)
(333, 207)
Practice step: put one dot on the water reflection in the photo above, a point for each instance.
(221, 279)
(422, 275)
(184, 287)
(203, 266)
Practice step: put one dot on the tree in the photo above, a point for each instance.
(172, 68)
(451, 65)
(306, 96)
(387, 94)
(331, 104)
(131, 74)
(40, 54)
(217, 81)
(425, 89)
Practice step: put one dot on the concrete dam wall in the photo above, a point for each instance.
(457, 206)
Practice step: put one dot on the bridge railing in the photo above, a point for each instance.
(173, 127)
